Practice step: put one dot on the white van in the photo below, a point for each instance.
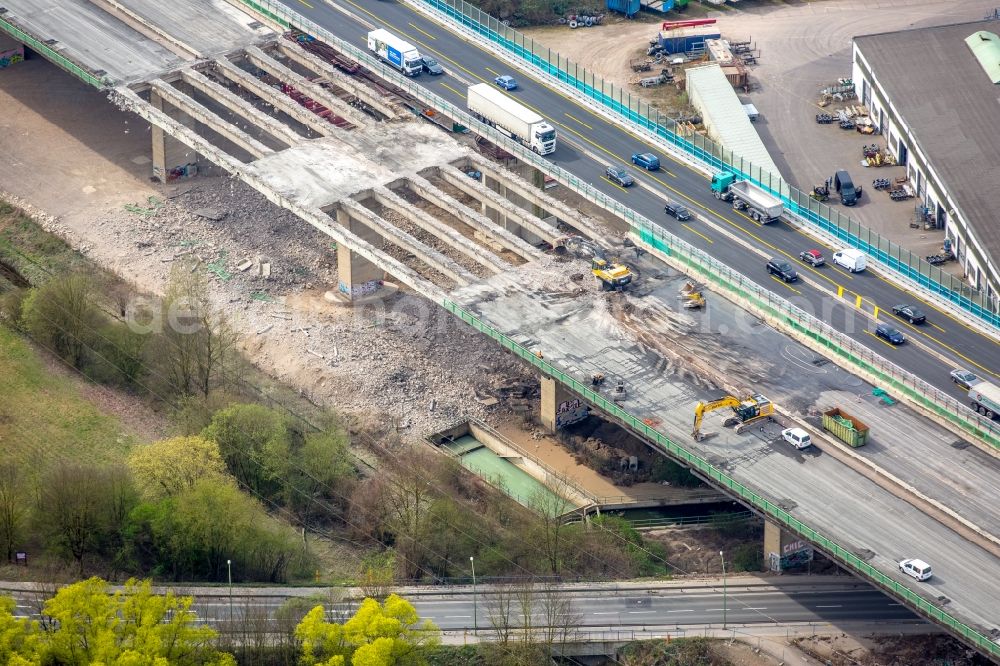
(853, 260)
(916, 568)
(797, 437)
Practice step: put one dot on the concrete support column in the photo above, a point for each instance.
(169, 154)
(559, 407)
(498, 216)
(783, 550)
(356, 275)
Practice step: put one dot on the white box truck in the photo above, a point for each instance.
(853, 260)
(985, 399)
(393, 50)
(512, 118)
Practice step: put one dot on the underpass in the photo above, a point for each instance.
(327, 195)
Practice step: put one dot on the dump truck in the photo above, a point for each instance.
(400, 54)
(845, 427)
(985, 399)
(759, 205)
(512, 118)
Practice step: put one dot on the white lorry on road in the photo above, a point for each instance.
(393, 50)
(512, 118)
(985, 399)
(853, 260)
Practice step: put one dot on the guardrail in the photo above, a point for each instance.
(713, 271)
(53, 55)
(632, 109)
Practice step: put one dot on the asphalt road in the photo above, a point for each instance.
(789, 601)
(587, 143)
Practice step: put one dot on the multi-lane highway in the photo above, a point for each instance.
(588, 142)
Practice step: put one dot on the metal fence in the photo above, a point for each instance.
(721, 275)
(798, 203)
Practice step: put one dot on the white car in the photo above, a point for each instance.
(797, 437)
(916, 568)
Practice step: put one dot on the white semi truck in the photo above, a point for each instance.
(512, 118)
(985, 399)
(393, 50)
(759, 205)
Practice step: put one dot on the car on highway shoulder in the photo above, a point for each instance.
(797, 437)
(912, 314)
(916, 568)
(647, 161)
(619, 174)
(431, 66)
(677, 210)
(964, 378)
(890, 334)
(812, 257)
(506, 82)
(783, 269)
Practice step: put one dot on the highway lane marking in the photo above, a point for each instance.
(429, 35)
(641, 612)
(837, 606)
(608, 180)
(612, 613)
(930, 323)
(457, 617)
(492, 71)
(580, 121)
(891, 346)
(306, 4)
(449, 87)
(919, 331)
(786, 285)
(692, 230)
(691, 610)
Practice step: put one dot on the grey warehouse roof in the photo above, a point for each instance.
(941, 93)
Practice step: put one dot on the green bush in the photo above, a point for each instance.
(61, 316)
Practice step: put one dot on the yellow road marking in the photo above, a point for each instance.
(935, 326)
(608, 180)
(840, 291)
(786, 285)
(492, 71)
(450, 88)
(580, 121)
(691, 229)
(306, 4)
(877, 311)
(429, 35)
(891, 346)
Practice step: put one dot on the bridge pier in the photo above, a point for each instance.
(559, 407)
(783, 550)
(171, 158)
(356, 275)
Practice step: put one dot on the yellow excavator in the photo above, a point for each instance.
(747, 410)
(613, 275)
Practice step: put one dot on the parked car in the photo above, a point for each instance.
(647, 161)
(619, 175)
(916, 568)
(889, 334)
(783, 269)
(431, 66)
(812, 257)
(677, 210)
(797, 437)
(964, 378)
(506, 82)
(910, 313)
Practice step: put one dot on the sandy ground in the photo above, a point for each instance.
(805, 46)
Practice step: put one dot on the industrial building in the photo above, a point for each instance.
(933, 93)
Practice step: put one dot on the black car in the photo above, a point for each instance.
(783, 269)
(618, 174)
(909, 313)
(889, 334)
(677, 210)
(431, 66)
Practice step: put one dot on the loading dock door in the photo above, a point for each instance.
(902, 151)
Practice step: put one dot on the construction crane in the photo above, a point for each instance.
(613, 275)
(747, 410)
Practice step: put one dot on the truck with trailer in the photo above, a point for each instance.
(985, 399)
(759, 205)
(400, 54)
(845, 427)
(512, 118)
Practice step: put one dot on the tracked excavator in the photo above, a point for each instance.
(746, 410)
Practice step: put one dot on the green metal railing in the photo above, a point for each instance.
(697, 261)
(54, 55)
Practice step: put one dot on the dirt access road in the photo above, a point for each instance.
(805, 46)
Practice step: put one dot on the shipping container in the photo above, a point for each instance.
(683, 40)
(657, 5)
(627, 7)
(845, 427)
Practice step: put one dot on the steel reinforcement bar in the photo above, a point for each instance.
(727, 279)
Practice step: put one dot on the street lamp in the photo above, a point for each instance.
(229, 572)
(475, 601)
(723, 590)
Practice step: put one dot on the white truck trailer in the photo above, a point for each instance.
(760, 206)
(512, 118)
(400, 54)
(985, 399)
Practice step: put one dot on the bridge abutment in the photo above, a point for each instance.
(783, 550)
(171, 158)
(356, 275)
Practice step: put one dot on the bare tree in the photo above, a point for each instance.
(13, 507)
(550, 506)
(61, 315)
(561, 620)
(499, 605)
